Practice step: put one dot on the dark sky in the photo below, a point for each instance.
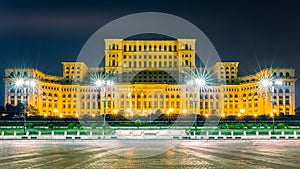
(41, 34)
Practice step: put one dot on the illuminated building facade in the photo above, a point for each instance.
(152, 76)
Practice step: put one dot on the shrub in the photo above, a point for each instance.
(93, 125)
(280, 125)
(71, 125)
(29, 125)
(250, 126)
(50, 126)
(266, 126)
(78, 126)
(241, 126)
(138, 123)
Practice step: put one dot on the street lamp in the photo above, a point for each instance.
(267, 84)
(103, 84)
(25, 85)
(198, 83)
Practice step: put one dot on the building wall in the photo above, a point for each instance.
(150, 76)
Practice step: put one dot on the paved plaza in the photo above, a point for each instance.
(152, 154)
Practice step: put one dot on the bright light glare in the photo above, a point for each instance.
(115, 111)
(200, 82)
(19, 82)
(278, 82)
(242, 110)
(99, 83)
(266, 83)
(32, 83)
(184, 111)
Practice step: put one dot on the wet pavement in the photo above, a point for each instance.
(183, 154)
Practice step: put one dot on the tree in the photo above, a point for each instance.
(50, 126)
(71, 125)
(93, 125)
(280, 125)
(138, 123)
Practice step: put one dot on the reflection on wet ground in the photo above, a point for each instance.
(186, 154)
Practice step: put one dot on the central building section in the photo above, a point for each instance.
(149, 73)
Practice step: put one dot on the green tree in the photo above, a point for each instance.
(29, 125)
(50, 126)
(266, 126)
(138, 123)
(93, 125)
(280, 125)
(250, 126)
(78, 126)
(71, 125)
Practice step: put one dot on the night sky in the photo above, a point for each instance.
(42, 34)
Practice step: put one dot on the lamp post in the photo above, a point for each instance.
(103, 84)
(25, 85)
(198, 83)
(268, 83)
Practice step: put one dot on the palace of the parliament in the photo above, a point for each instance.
(140, 77)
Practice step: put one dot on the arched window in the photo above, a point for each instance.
(244, 95)
(170, 48)
(217, 96)
(249, 94)
(25, 74)
(88, 96)
(82, 96)
(50, 94)
(236, 96)
(230, 95)
(287, 74)
(94, 96)
(175, 48)
(12, 74)
(211, 96)
(274, 74)
(172, 96)
(281, 74)
(287, 91)
(280, 91)
(63, 96)
(178, 96)
(125, 48)
(69, 95)
(206, 96)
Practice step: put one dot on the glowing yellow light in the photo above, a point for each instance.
(255, 115)
(206, 115)
(45, 115)
(60, 115)
(239, 115)
(184, 111)
(115, 111)
(222, 115)
(55, 110)
(242, 110)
